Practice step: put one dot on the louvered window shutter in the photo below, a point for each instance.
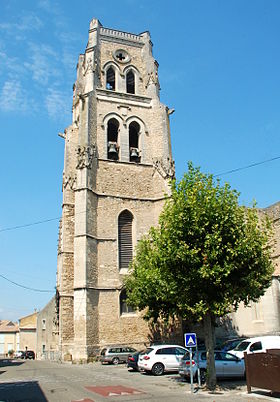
(125, 239)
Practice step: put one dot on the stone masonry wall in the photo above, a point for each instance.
(96, 190)
(47, 332)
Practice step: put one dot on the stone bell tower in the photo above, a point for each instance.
(116, 169)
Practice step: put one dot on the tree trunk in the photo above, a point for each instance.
(209, 331)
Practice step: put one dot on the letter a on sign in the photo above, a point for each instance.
(190, 340)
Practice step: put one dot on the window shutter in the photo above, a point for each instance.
(125, 239)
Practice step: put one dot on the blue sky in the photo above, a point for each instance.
(219, 69)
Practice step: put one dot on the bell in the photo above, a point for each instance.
(112, 147)
(134, 152)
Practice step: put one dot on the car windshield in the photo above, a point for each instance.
(242, 346)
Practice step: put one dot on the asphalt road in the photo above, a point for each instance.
(41, 381)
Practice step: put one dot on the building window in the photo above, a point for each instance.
(112, 136)
(130, 82)
(43, 324)
(257, 314)
(134, 153)
(124, 307)
(125, 239)
(111, 79)
(43, 348)
(121, 56)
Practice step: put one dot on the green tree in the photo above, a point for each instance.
(206, 256)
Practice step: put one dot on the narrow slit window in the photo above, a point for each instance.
(111, 79)
(130, 82)
(125, 239)
(112, 138)
(134, 153)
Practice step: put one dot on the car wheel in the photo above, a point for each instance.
(115, 360)
(202, 376)
(158, 369)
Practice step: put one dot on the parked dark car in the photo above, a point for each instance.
(230, 344)
(132, 361)
(28, 354)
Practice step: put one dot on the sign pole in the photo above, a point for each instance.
(191, 367)
(190, 342)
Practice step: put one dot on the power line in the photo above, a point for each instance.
(26, 276)
(34, 223)
(26, 287)
(216, 175)
(246, 167)
(28, 224)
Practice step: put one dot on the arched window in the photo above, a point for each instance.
(130, 82)
(111, 79)
(134, 130)
(124, 307)
(112, 136)
(125, 239)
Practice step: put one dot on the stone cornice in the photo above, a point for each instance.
(95, 237)
(123, 98)
(144, 165)
(98, 287)
(123, 197)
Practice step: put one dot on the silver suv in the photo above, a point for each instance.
(116, 354)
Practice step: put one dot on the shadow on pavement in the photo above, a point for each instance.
(10, 362)
(265, 393)
(222, 385)
(21, 391)
(227, 385)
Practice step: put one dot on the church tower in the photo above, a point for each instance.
(117, 166)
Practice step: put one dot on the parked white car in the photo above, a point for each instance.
(161, 358)
(256, 345)
(19, 354)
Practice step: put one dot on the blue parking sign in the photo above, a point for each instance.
(190, 340)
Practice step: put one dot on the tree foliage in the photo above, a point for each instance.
(206, 256)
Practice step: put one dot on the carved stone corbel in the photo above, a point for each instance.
(152, 79)
(85, 156)
(69, 182)
(166, 168)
